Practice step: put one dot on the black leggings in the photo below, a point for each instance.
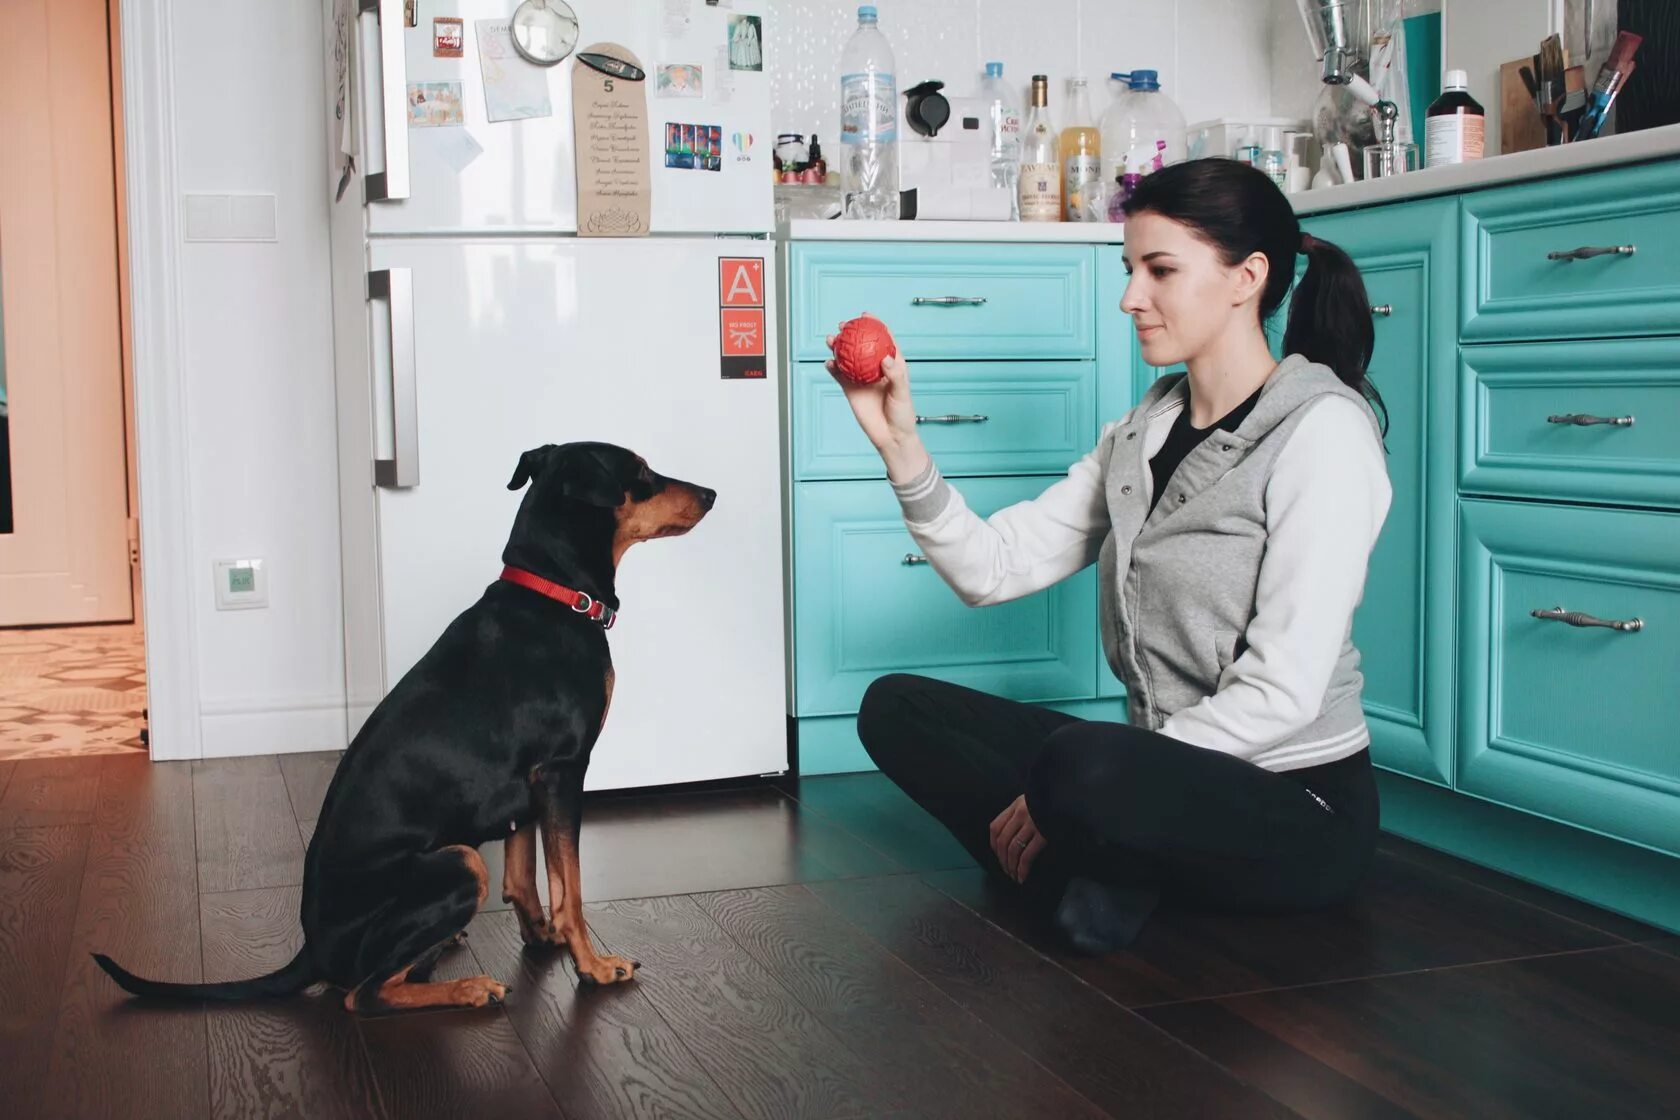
(1123, 805)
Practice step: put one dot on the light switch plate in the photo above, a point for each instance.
(241, 584)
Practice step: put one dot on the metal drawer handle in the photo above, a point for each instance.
(1576, 618)
(948, 301)
(1587, 252)
(1383, 309)
(953, 418)
(1583, 420)
(912, 558)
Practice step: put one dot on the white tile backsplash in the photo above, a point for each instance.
(1214, 55)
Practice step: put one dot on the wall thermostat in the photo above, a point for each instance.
(241, 584)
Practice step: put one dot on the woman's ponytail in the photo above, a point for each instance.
(1330, 319)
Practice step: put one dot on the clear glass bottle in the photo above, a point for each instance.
(1081, 156)
(869, 121)
(1005, 106)
(1041, 172)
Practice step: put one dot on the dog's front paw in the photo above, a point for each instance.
(608, 970)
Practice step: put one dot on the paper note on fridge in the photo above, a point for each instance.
(513, 88)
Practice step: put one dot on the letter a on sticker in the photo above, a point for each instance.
(741, 282)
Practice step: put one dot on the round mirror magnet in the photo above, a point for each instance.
(544, 31)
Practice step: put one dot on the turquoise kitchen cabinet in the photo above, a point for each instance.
(866, 603)
(1582, 256)
(1020, 354)
(1533, 396)
(1403, 628)
(1584, 421)
(976, 418)
(1578, 723)
(987, 302)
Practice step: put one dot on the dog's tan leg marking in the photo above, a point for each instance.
(566, 904)
(397, 994)
(519, 884)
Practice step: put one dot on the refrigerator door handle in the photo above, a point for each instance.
(391, 183)
(402, 469)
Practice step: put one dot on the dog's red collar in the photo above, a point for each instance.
(577, 600)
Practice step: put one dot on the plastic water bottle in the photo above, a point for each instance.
(1005, 107)
(869, 121)
(1142, 131)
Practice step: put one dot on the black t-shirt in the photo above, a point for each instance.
(1184, 438)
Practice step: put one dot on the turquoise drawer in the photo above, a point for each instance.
(1515, 285)
(977, 418)
(1527, 413)
(861, 611)
(947, 301)
(1576, 724)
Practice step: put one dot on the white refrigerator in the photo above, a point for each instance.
(471, 323)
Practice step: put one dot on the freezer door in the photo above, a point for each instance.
(519, 343)
(513, 176)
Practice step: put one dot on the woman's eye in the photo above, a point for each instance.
(1160, 273)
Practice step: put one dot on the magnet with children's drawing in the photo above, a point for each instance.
(545, 31)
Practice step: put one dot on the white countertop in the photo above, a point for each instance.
(839, 229)
(1651, 143)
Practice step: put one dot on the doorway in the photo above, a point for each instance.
(72, 664)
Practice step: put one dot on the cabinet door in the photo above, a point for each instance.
(1576, 723)
(1404, 627)
(942, 300)
(1572, 421)
(976, 418)
(1579, 256)
(864, 606)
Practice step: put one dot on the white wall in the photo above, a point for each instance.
(1213, 55)
(257, 352)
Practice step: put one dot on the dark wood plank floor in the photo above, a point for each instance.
(815, 948)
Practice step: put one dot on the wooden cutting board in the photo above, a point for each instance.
(1520, 126)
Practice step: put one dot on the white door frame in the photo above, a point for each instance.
(167, 569)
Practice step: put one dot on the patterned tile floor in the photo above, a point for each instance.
(76, 691)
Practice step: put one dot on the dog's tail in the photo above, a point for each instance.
(290, 980)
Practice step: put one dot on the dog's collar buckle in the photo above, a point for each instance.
(581, 602)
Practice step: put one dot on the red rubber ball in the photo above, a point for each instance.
(859, 348)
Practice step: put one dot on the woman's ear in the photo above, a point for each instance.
(1249, 278)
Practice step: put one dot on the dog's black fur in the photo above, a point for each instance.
(486, 738)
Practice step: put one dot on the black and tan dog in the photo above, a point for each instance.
(486, 738)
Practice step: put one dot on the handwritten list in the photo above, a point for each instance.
(610, 130)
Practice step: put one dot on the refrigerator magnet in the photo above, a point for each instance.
(448, 37)
(746, 43)
(434, 104)
(544, 31)
(680, 79)
(612, 143)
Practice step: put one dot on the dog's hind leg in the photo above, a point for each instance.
(442, 892)
(560, 802)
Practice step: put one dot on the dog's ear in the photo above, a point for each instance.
(531, 465)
